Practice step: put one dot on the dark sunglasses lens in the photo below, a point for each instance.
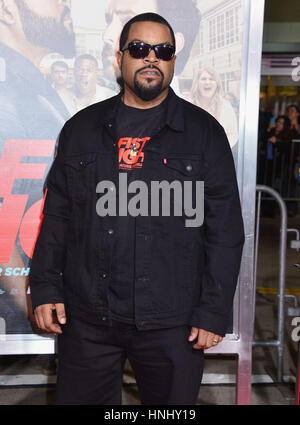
(138, 50)
(164, 52)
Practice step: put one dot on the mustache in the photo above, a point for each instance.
(150, 67)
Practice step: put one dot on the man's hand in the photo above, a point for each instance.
(46, 320)
(206, 339)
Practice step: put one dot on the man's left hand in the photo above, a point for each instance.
(205, 339)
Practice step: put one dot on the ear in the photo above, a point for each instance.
(119, 56)
(179, 38)
(7, 12)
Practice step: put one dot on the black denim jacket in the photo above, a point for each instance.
(183, 275)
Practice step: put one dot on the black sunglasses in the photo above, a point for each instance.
(140, 50)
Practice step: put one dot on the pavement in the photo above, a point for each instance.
(30, 379)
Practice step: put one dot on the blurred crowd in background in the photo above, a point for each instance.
(279, 156)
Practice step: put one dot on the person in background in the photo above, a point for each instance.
(59, 75)
(282, 155)
(274, 148)
(86, 91)
(207, 93)
(293, 114)
(278, 133)
(59, 78)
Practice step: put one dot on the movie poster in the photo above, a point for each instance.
(57, 58)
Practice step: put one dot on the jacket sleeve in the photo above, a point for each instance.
(45, 277)
(223, 236)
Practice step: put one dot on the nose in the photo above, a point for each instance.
(151, 58)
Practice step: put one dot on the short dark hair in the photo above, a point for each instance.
(297, 109)
(61, 64)
(294, 106)
(144, 17)
(287, 122)
(85, 56)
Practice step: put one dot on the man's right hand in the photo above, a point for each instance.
(46, 319)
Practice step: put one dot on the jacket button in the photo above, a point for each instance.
(82, 163)
(103, 275)
(110, 125)
(143, 279)
(189, 167)
(104, 318)
(110, 231)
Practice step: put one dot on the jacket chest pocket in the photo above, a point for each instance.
(81, 171)
(183, 167)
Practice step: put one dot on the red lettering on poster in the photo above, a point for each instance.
(13, 205)
(11, 213)
(30, 225)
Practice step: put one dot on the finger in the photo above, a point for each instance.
(201, 342)
(49, 324)
(213, 340)
(61, 313)
(193, 334)
(36, 318)
(39, 319)
(199, 345)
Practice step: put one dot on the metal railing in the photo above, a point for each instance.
(279, 342)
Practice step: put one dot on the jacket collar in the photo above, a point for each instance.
(174, 116)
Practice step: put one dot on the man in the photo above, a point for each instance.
(86, 91)
(30, 109)
(140, 286)
(293, 114)
(59, 77)
(29, 30)
(119, 12)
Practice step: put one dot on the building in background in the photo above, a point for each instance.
(218, 44)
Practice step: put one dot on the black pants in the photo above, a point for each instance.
(91, 360)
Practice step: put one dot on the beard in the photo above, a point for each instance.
(146, 92)
(46, 32)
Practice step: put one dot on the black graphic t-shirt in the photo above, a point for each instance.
(134, 128)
